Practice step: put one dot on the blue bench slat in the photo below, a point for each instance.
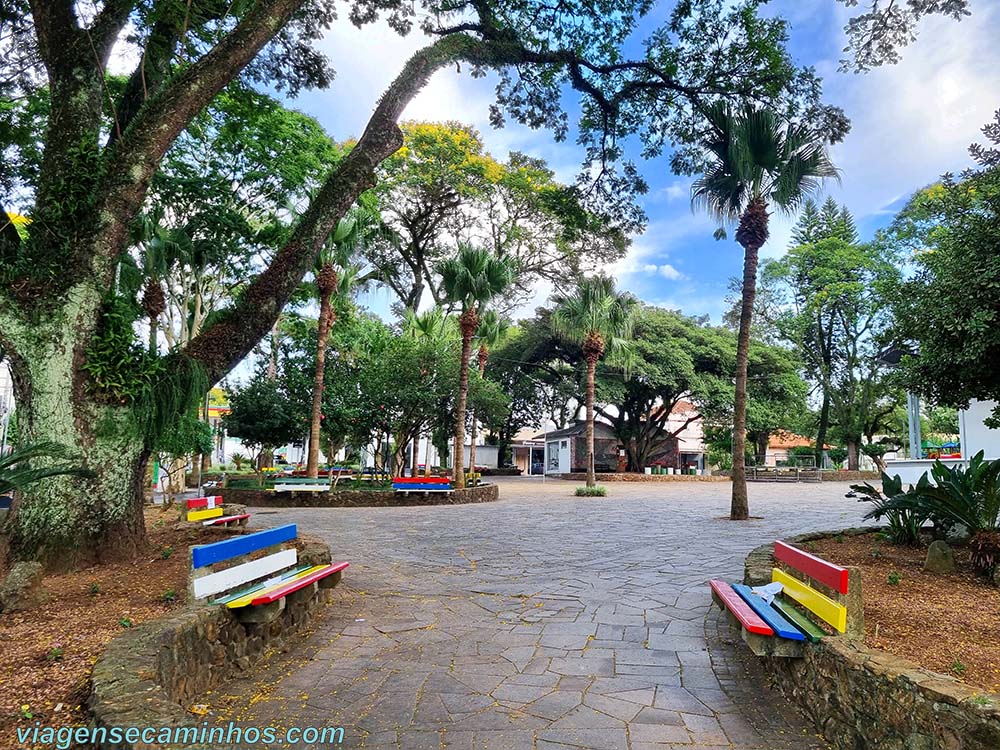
(206, 554)
(772, 617)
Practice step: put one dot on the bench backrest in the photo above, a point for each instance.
(830, 592)
(203, 508)
(223, 566)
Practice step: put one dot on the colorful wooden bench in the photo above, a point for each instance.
(817, 599)
(421, 484)
(234, 574)
(209, 512)
(311, 485)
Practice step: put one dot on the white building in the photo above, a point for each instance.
(975, 436)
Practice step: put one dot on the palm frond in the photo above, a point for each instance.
(17, 472)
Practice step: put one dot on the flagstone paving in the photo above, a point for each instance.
(542, 622)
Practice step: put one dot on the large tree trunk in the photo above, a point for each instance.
(67, 522)
(591, 370)
(824, 425)
(751, 234)
(322, 333)
(469, 323)
(415, 455)
(853, 455)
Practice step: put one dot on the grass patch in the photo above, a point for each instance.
(598, 491)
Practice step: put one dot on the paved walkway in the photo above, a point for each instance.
(541, 622)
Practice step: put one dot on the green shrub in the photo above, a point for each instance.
(894, 578)
(598, 491)
(903, 524)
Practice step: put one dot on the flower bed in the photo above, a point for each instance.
(258, 498)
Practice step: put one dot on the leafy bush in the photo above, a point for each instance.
(837, 456)
(591, 491)
(986, 552)
(902, 524)
(959, 495)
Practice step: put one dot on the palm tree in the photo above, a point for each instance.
(756, 160)
(492, 330)
(599, 318)
(334, 278)
(470, 280)
(435, 324)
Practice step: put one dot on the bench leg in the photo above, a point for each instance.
(262, 613)
(331, 580)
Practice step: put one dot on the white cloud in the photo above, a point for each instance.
(913, 121)
(668, 271)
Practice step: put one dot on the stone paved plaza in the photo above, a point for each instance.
(542, 621)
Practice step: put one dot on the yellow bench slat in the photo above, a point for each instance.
(201, 515)
(819, 604)
(245, 600)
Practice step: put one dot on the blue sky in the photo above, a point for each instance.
(911, 123)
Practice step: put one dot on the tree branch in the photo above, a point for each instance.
(221, 346)
(136, 156)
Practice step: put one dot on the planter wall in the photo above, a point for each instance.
(357, 498)
(862, 698)
(151, 675)
(630, 477)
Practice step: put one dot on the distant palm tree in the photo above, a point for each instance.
(756, 160)
(334, 277)
(599, 318)
(434, 323)
(492, 330)
(470, 280)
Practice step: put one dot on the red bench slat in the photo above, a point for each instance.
(735, 604)
(816, 568)
(226, 519)
(299, 583)
(421, 480)
(202, 502)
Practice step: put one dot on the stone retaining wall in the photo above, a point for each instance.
(151, 675)
(862, 698)
(357, 498)
(631, 477)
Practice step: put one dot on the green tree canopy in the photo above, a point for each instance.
(948, 313)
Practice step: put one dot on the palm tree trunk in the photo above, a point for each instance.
(472, 440)
(323, 332)
(751, 233)
(458, 458)
(591, 370)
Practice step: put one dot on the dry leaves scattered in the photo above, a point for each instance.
(948, 623)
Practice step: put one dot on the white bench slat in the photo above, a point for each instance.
(238, 575)
(301, 487)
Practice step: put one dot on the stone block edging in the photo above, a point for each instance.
(632, 477)
(485, 493)
(151, 675)
(860, 697)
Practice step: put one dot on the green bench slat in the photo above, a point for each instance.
(811, 630)
(286, 575)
